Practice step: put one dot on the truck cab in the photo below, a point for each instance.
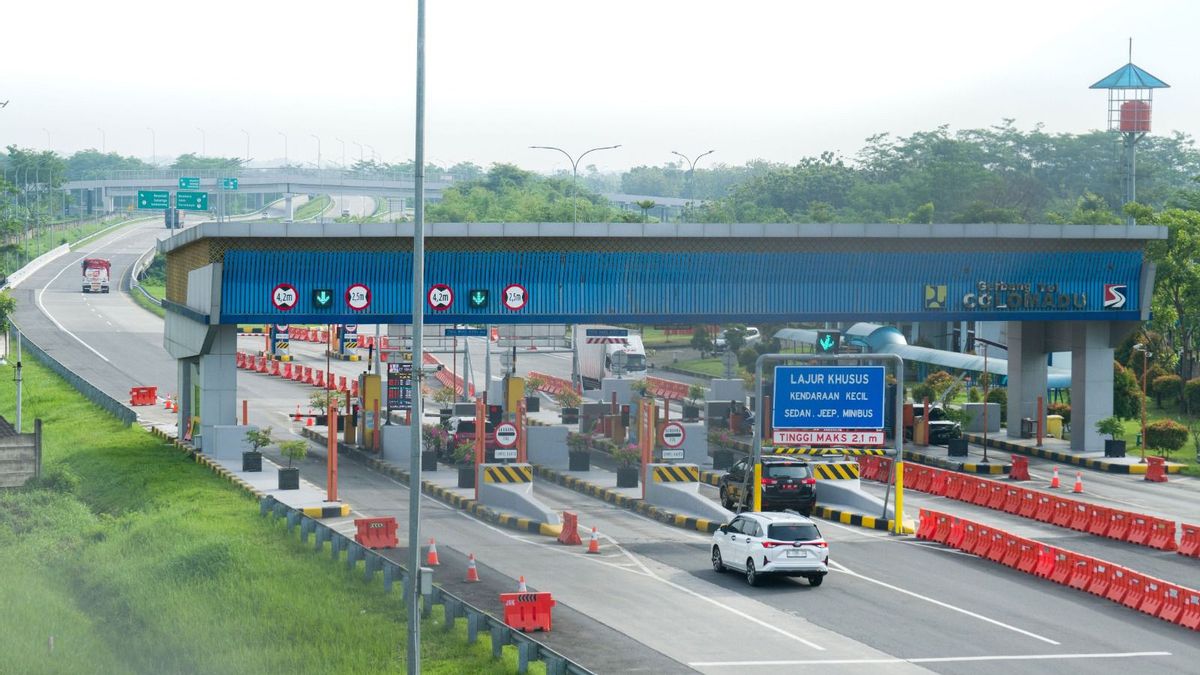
(95, 275)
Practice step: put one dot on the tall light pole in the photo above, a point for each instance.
(153, 147)
(372, 149)
(987, 380)
(103, 141)
(285, 153)
(318, 150)
(203, 142)
(413, 601)
(1145, 357)
(574, 173)
(692, 171)
(343, 150)
(360, 151)
(247, 144)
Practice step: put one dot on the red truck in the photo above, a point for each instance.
(96, 275)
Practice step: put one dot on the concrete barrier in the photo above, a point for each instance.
(677, 488)
(848, 495)
(508, 488)
(225, 441)
(396, 443)
(547, 446)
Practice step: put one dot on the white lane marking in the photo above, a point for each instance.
(933, 659)
(842, 568)
(53, 279)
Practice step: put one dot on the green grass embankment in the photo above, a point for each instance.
(312, 208)
(134, 559)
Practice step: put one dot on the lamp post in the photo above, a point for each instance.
(343, 150)
(692, 171)
(1146, 354)
(318, 150)
(247, 144)
(574, 173)
(987, 381)
(285, 152)
(360, 151)
(374, 154)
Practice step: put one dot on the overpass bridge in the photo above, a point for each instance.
(1076, 288)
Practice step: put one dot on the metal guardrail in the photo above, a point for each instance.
(327, 175)
(135, 274)
(528, 649)
(90, 391)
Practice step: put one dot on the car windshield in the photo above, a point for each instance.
(793, 532)
(468, 427)
(635, 362)
(787, 470)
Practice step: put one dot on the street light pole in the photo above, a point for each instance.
(692, 171)
(1145, 357)
(343, 150)
(360, 151)
(574, 173)
(318, 150)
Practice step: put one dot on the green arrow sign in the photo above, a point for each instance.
(828, 341)
(229, 183)
(153, 199)
(478, 298)
(186, 183)
(322, 298)
(191, 201)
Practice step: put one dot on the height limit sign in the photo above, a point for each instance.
(828, 399)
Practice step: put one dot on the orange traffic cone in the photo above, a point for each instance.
(1078, 489)
(1054, 480)
(521, 586)
(310, 421)
(174, 405)
(472, 572)
(594, 544)
(431, 558)
(167, 403)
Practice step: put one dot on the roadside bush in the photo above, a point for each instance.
(923, 391)
(973, 395)
(1166, 387)
(747, 357)
(1063, 409)
(1127, 396)
(1191, 395)
(999, 396)
(1166, 435)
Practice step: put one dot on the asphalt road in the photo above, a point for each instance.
(651, 602)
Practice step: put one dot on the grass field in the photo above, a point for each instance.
(134, 559)
(312, 208)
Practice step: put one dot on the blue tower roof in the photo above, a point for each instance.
(1130, 76)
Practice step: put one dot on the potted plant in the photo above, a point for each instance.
(957, 447)
(257, 438)
(464, 458)
(533, 402)
(445, 398)
(321, 400)
(1112, 427)
(641, 388)
(289, 477)
(568, 403)
(627, 458)
(691, 409)
(435, 442)
(579, 451)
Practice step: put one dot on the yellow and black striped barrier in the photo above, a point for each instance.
(508, 474)
(677, 474)
(839, 471)
(825, 452)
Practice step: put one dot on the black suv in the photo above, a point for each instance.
(787, 483)
(941, 429)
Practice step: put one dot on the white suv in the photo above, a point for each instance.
(771, 543)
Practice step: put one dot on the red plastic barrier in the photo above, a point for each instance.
(1135, 590)
(1162, 535)
(143, 396)
(983, 492)
(241, 360)
(527, 611)
(1012, 499)
(1045, 508)
(927, 525)
(958, 530)
(353, 388)
(1098, 519)
(1019, 470)
(1118, 525)
(1172, 603)
(867, 467)
(1189, 540)
(320, 380)
(1152, 603)
(667, 388)
(1102, 577)
(1063, 565)
(376, 532)
(275, 368)
(360, 341)
(983, 541)
(937, 486)
(1027, 556)
(569, 535)
(999, 546)
(262, 365)
(943, 525)
(1045, 561)
(1156, 469)
(924, 478)
(1139, 529)
(1190, 618)
(1062, 512)
(970, 535)
(910, 473)
(1081, 572)
(287, 371)
(1081, 517)
(1012, 551)
(954, 484)
(1118, 584)
(342, 384)
(966, 489)
(1028, 505)
(885, 470)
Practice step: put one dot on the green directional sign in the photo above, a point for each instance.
(187, 183)
(191, 201)
(228, 183)
(828, 341)
(154, 199)
(478, 298)
(322, 298)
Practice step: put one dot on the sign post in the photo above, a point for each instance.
(153, 199)
(506, 439)
(672, 437)
(191, 201)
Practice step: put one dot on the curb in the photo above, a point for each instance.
(1085, 462)
(858, 520)
(442, 494)
(961, 467)
(636, 505)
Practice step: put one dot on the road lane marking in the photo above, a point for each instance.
(932, 659)
(842, 568)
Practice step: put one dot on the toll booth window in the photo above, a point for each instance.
(795, 532)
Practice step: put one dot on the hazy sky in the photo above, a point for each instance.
(774, 80)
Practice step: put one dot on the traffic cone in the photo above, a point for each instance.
(521, 586)
(174, 405)
(1078, 489)
(594, 544)
(167, 403)
(310, 421)
(472, 572)
(1054, 480)
(431, 558)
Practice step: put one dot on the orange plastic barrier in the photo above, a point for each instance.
(1102, 577)
(143, 396)
(1062, 511)
(1012, 551)
(1118, 525)
(1152, 603)
(943, 524)
(1045, 562)
(1172, 603)
(1028, 556)
(954, 485)
(1028, 505)
(1081, 517)
(999, 546)
(1135, 590)
(970, 535)
(667, 388)
(1156, 469)
(958, 531)
(287, 371)
(527, 611)
(983, 541)
(320, 380)
(1012, 499)
(983, 492)
(570, 529)
(1139, 529)
(924, 478)
(1081, 572)
(1098, 519)
(1190, 618)
(927, 525)
(1019, 469)
(376, 532)
(1189, 540)
(354, 388)
(1063, 565)
(938, 485)
(1045, 508)
(1162, 534)
(275, 368)
(1118, 584)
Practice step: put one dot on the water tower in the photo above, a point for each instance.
(1130, 98)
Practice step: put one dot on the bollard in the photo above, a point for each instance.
(426, 580)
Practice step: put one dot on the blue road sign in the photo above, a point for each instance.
(466, 332)
(828, 397)
(607, 332)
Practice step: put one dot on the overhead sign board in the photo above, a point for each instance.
(189, 183)
(672, 435)
(154, 199)
(828, 397)
(229, 184)
(506, 435)
(794, 437)
(515, 297)
(191, 201)
(466, 332)
(358, 297)
(606, 332)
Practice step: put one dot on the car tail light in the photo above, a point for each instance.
(769, 481)
(773, 544)
(820, 543)
(809, 481)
